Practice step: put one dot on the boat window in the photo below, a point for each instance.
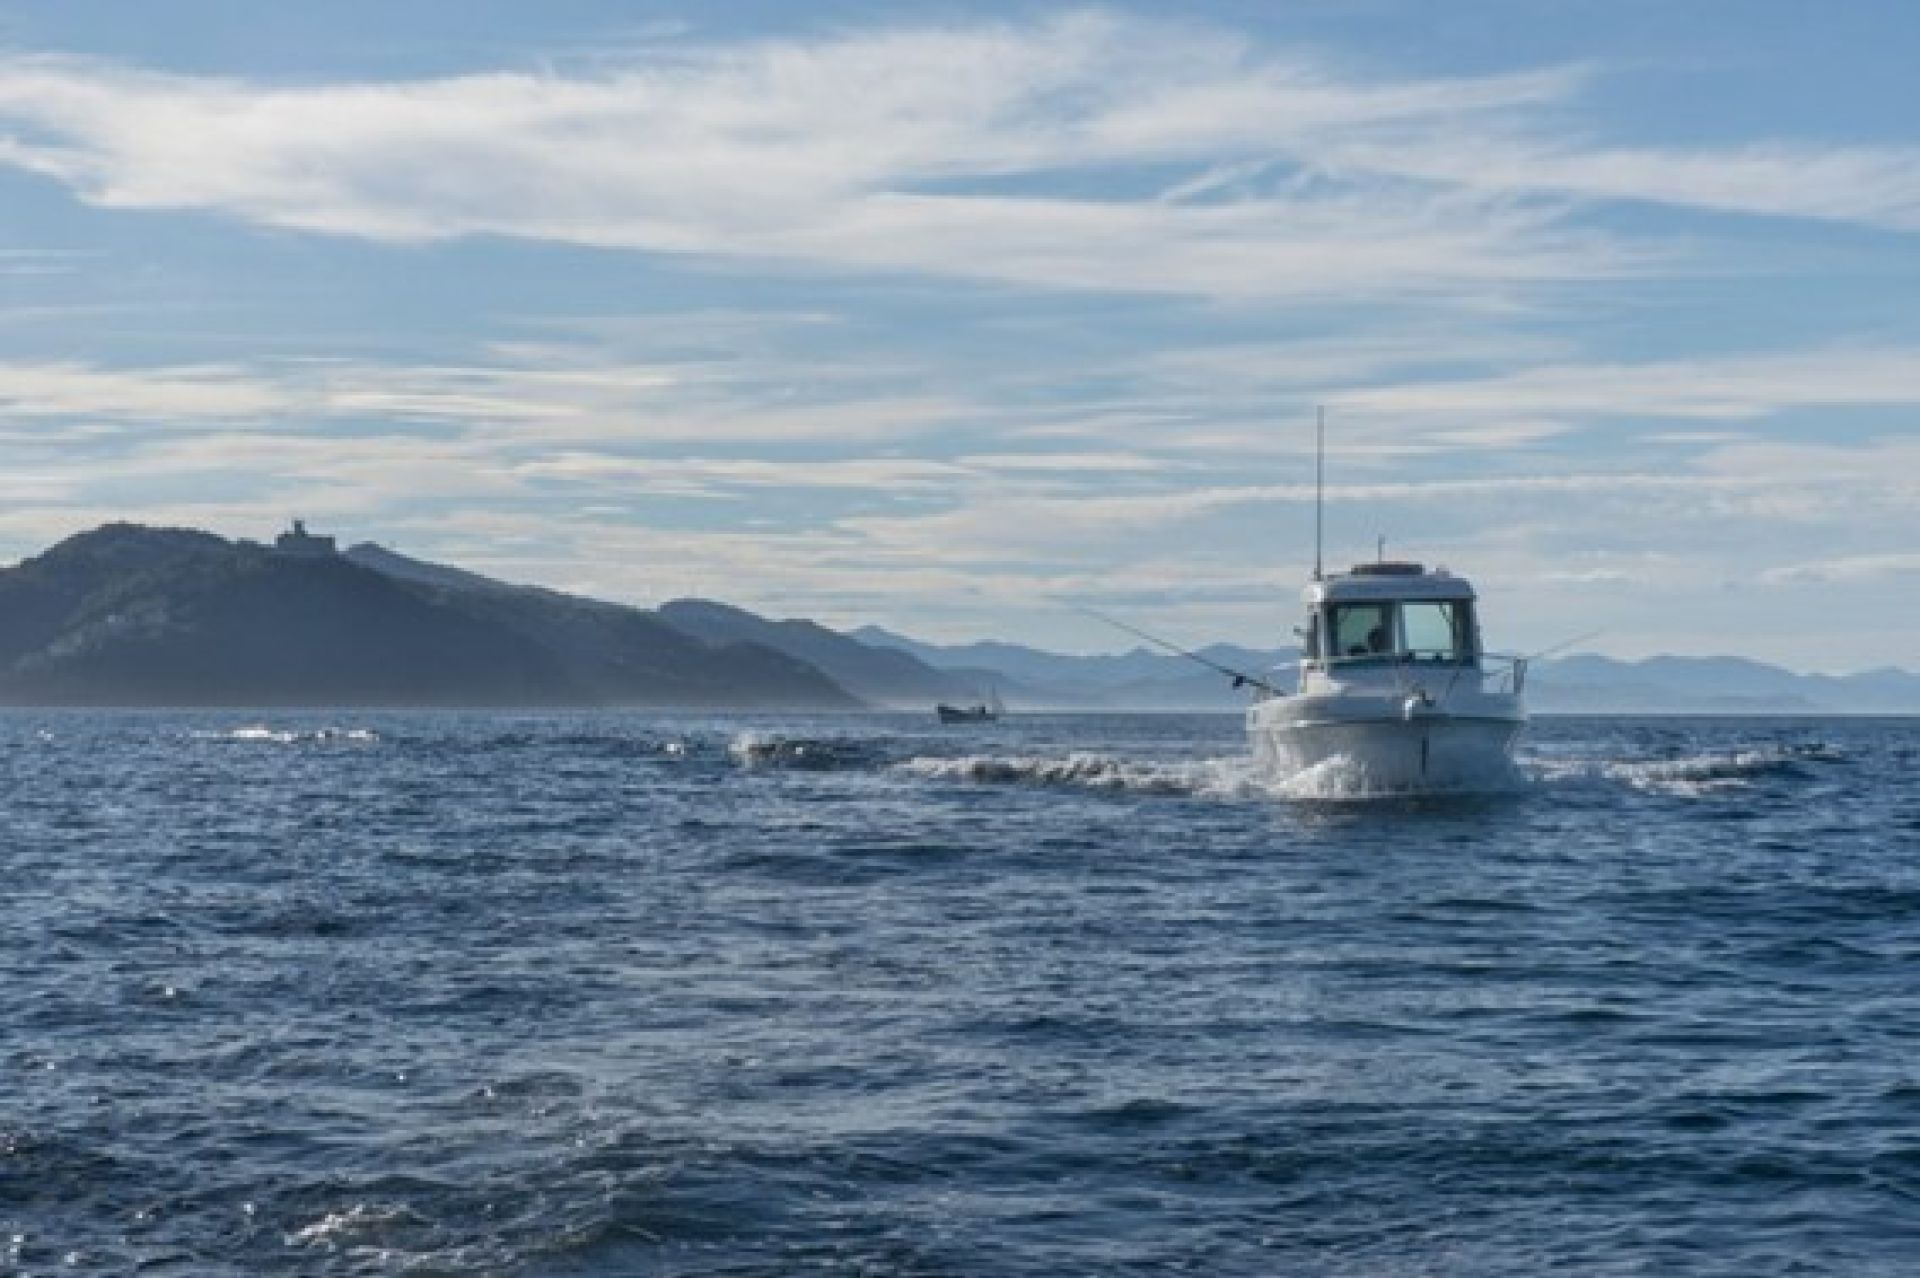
(1310, 644)
(1362, 630)
(1437, 631)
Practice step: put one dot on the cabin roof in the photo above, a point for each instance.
(1375, 582)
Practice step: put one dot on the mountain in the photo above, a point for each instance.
(1714, 685)
(1017, 661)
(1139, 679)
(1872, 691)
(1147, 680)
(391, 563)
(128, 615)
(879, 675)
(1587, 684)
(618, 647)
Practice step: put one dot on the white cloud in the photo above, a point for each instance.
(1727, 388)
(27, 261)
(845, 152)
(1500, 435)
(545, 407)
(66, 390)
(1847, 569)
(1071, 463)
(1893, 459)
(703, 475)
(1870, 186)
(867, 151)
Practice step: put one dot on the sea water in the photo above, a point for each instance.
(383, 993)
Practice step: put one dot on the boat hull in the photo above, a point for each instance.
(1389, 754)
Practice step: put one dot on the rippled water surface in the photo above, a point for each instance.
(365, 993)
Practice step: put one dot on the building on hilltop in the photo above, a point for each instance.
(301, 544)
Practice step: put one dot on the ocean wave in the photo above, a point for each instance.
(360, 1224)
(821, 754)
(1686, 775)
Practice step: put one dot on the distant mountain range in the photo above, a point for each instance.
(129, 615)
(879, 676)
(1707, 685)
(1146, 679)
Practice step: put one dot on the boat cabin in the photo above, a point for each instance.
(1390, 613)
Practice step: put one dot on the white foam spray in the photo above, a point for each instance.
(1236, 777)
(260, 734)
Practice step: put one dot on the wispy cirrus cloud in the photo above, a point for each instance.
(1846, 569)
(57, 391)
(535, 405)
(879, 151)
(1255, 172)
(32, 261)
(1718, 388)
(1876, 186)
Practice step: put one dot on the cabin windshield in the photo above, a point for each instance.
(1437, 631)
(1423, 630)
(1361, 630)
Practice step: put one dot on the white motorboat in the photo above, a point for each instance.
(1396, 695)
(1395, 690)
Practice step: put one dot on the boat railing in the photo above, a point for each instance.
(1498, 672)
(1507, 674)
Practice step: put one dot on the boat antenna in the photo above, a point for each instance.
(1240, 678)
(1319, 489)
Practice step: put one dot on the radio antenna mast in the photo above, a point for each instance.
(1319, 489)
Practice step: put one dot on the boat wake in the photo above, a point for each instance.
(1344, 780)
(1685, 775)
(1088, 770)
(1336, 780)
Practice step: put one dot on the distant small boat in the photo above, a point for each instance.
(985, 711)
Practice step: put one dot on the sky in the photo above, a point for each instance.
(956, 317)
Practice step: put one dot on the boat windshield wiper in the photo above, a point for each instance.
(1241, 679)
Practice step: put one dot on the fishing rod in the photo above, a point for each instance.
(1517, 664)
(1241, 678)
(1562, 646)
(1566, 644)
